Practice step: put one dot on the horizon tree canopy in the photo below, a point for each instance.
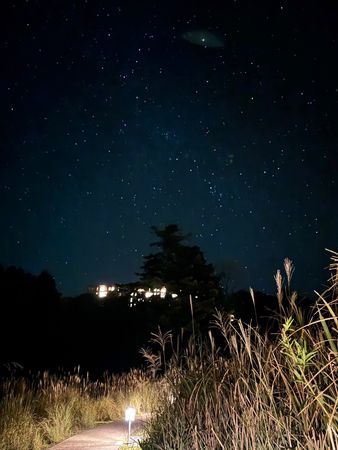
(178, 266)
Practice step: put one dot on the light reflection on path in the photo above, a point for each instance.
(108, 436)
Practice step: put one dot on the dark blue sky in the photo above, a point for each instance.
(112, 122)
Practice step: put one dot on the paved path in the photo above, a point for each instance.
(108, 436)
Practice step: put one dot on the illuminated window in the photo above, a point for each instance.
(102, 291)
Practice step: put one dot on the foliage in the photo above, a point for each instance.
(252, 391)
(239, 387)
(43, 330)
(180, 267)
(41, 410)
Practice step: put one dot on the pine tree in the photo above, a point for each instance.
(181, 268)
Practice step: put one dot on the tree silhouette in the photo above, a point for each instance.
(180, 267)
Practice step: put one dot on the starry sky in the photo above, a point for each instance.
(113, 120)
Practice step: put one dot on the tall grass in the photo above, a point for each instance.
(238, 389)
(38, 411)
(253, 390)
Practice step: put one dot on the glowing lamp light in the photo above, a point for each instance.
(130, 414)
(130, 417)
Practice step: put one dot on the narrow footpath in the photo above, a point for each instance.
(108, 436)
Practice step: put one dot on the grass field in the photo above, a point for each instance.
(45, 409)
(255, 391)
(237, 388)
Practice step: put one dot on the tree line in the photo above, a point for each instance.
(40, 329)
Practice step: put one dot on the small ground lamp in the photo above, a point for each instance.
(130, 417)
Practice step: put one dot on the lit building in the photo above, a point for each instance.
(102, 290)
(136, 294)
(143, 295)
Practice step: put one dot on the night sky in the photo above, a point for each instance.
(116, 116)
